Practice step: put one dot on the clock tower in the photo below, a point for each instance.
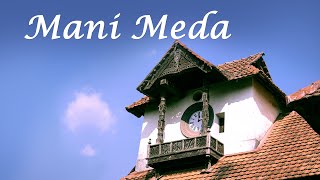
(196, 112)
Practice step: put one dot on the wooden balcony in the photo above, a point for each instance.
(198, 150)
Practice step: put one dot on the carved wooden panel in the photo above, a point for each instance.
(196, 152)
(179, 61)
(187, 147)
(176, 62)
(220, 147)
(213, 143)
(161, 121)
(154, 151)
(189, 143)
(165, 149)
(177, 146)
(197, 148)
(201, 141)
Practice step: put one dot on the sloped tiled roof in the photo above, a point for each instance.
(306, 102)
(141, 101)
(240, 68)
(291, 150)
(237, 69)
(137, 175)
(312, 90)
(137, 108)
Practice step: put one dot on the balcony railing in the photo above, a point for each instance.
(197, 146)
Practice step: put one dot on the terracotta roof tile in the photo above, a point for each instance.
(240, 68)
(291, 150)
(137, 108)
(141, 101)
(311, 90)
(138, 175)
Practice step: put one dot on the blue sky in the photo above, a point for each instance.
(62, 101)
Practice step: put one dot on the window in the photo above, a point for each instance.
(221, 122)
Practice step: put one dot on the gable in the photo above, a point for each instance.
(178, 62)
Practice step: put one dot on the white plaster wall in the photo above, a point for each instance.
(249, 112)
(235, 99)
(267, 108)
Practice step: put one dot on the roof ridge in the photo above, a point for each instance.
(259, 55)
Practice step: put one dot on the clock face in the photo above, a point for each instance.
(191, 120)
(195, 121)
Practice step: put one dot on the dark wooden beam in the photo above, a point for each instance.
(169, 88)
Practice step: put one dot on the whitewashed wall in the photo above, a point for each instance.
(249, 112)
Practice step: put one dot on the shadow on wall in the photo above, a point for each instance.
(265, 102)
(226, 93)
(150, 126)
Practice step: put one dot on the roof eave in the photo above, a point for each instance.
(269, 85)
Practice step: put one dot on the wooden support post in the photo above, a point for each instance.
(148, 152)
(161, 121)
(208, 145)
(208, 161)
(205, 111)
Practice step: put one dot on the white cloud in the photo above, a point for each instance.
(152, 52)
(88, 150)
(88, 110)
